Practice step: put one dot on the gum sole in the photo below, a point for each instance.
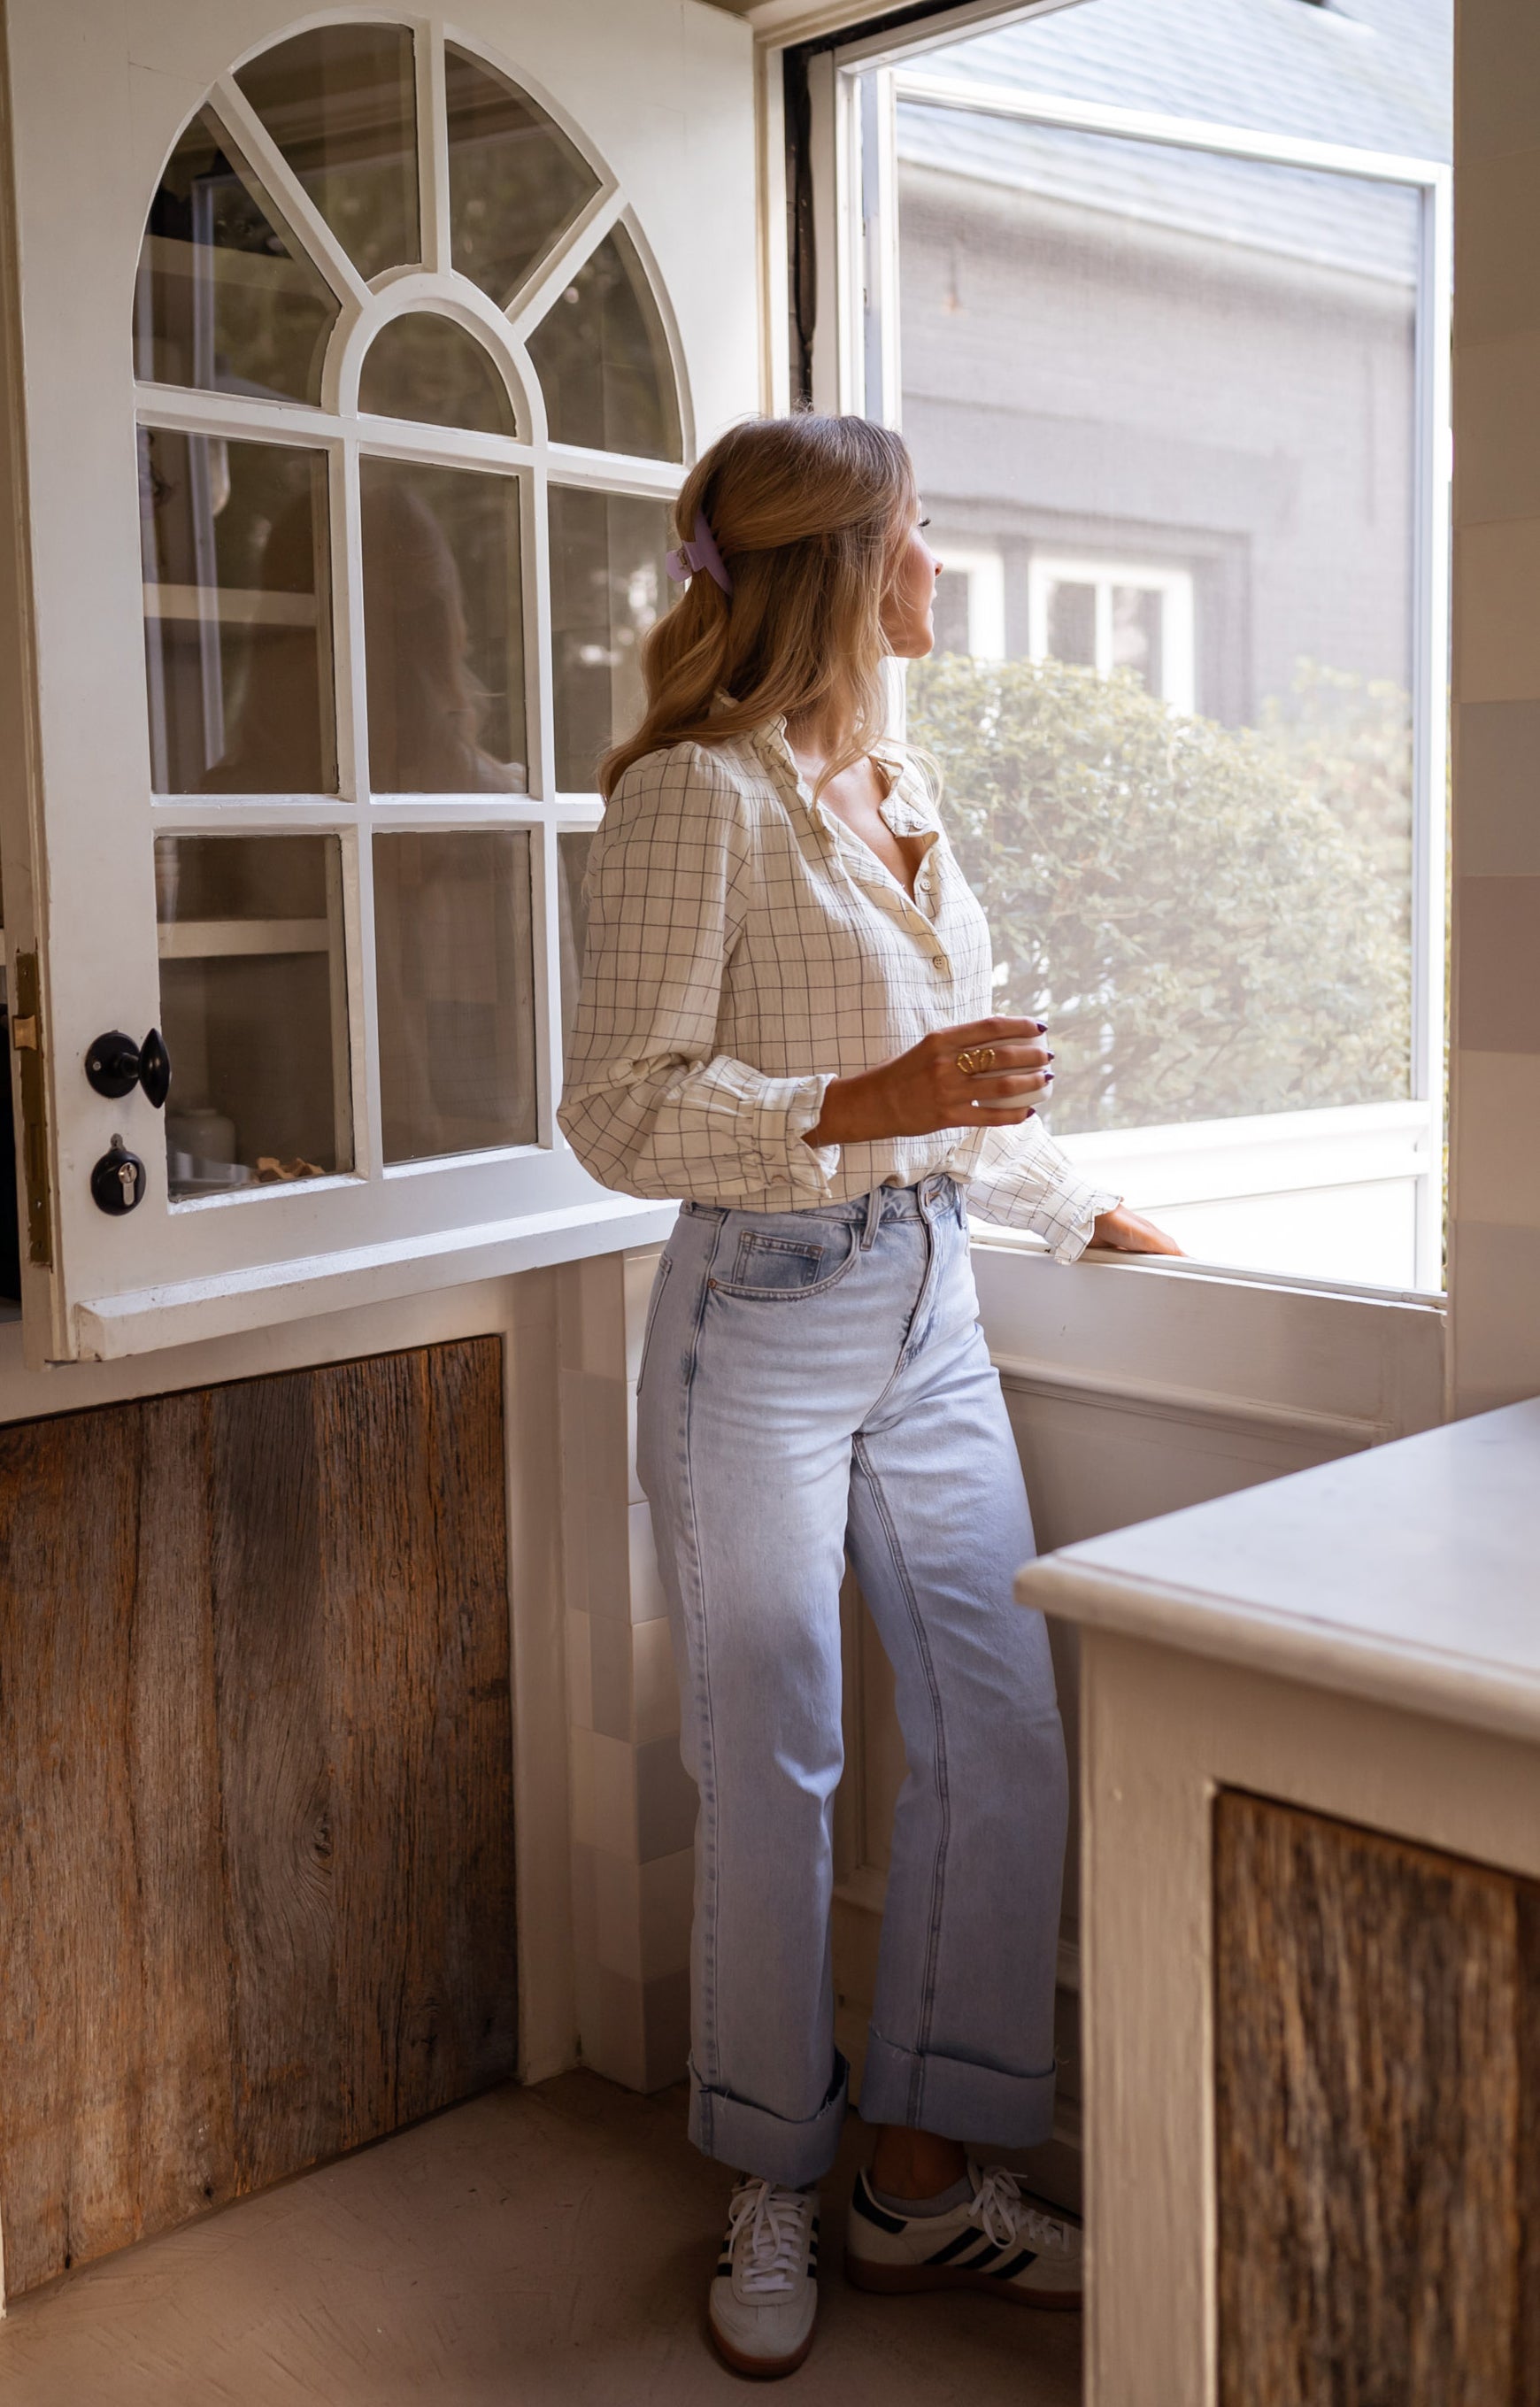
(894, 2280)
(756, 2368)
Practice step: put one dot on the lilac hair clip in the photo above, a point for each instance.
(702, 553)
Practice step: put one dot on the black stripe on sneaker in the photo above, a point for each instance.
(980, 2263)
(724, 2268)
(1016, 2265)
(865, 2203)
(954, 2247)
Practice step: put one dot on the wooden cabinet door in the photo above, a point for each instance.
(255, 1787)
(1377, 2007)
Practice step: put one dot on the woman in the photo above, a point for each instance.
(784, 1021)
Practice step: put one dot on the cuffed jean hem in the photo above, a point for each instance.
(972, 2103)
(754, 2141)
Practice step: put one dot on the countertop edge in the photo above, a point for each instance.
(1448, 1687)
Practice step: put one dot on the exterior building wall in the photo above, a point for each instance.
(1494, 1204)
(1074, 382)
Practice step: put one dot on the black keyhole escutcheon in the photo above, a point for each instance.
(117, 1180)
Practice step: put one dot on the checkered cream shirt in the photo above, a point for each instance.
(744, 948)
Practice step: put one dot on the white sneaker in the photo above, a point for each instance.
(764, 2294)
(994, 2242)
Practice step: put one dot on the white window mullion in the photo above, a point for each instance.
(545, 872)
(540, 663)
(268, 161)
(352, 705)
(432, 152)
(556, 271)
(615, 470)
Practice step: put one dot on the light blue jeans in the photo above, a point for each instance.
(814, 1382)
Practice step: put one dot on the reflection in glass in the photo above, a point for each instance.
(573, 851)
(516, 182)
(237, 606)
(606, 586)
(254, 1006)
(426, 367)
(340, 102)
(455, 970)
(443, 630)
(225, 298)
(602, 358)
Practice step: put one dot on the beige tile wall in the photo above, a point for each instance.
(1494, 1148)
(633, 1803)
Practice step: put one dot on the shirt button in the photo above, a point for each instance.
(941, 964)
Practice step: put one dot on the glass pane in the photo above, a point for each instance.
(341, 105)
(443, 630)
(225, 298)
(455, 971)
(516, 182)
(572, 861)
(607, 583)
(1176, 392)
(1072, 623)
(237, 612)
(603, 361)
(254, 1009)
(427, 368)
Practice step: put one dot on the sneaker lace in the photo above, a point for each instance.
(1005, 2215)
(776, 2245)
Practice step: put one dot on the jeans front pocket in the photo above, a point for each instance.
(665, 1266)
(780, 1265)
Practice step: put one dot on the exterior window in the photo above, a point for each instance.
(970, 602)
(403, 486)
(1106, 616)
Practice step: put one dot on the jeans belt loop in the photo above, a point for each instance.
(873, 1220)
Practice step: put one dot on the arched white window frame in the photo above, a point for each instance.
(335, 426)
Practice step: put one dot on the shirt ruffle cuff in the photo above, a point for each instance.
(1086, 1202)
(811, 1167)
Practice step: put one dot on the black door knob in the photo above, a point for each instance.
(117, 1180)
(155, 1068)
(115, 1066)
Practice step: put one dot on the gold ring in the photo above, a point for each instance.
(975, 1059)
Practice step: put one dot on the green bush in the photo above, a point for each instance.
(1213, 922)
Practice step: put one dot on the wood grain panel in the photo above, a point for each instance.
(256, 1863)
(1368, 2114)
(68, 1886)
(425, 1954)
(270, 1652)
(186, 2135)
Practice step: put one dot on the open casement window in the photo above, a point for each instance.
(1164, 315)
(351, 404)
(1158, 295)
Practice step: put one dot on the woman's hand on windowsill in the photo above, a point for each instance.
(1129, 1233)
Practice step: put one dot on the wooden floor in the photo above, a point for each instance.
(542, 2247)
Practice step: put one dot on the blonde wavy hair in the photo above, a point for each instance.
(810, 515)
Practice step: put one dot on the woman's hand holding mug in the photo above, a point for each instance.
(988, 1074)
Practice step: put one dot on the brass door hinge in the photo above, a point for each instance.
(26, 1037)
